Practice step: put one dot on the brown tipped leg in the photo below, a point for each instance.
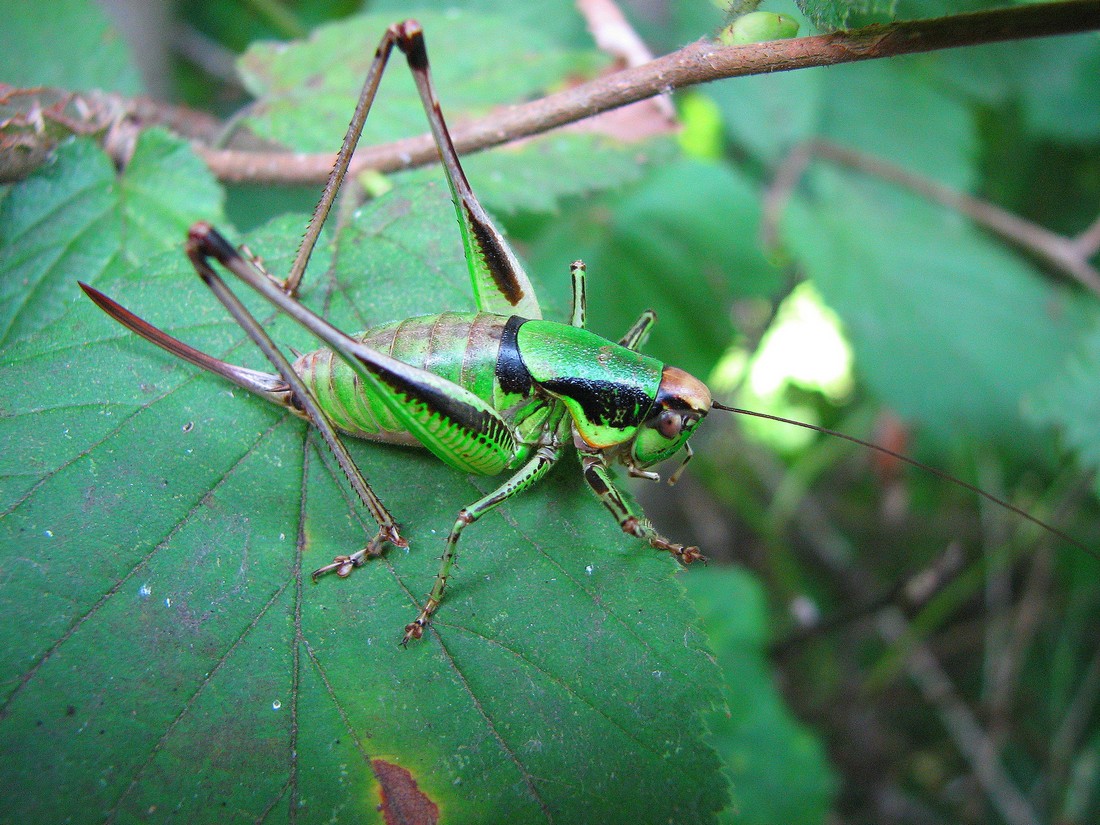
(632, 523)
(641, 528)
(204, 242)
(500, 283)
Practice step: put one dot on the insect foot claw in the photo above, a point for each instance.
(341, 565)
(390, 534)
(641, 528)
(685, 555)
(413, 630)
(689, 554)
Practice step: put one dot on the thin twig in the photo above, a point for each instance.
(613, 33)
(1069, 255)
(778, 193)
(1081, 709)
(699, 62)
(208, 54)
(1025, 625)
(998, 592)
(1088, 242)
(969, 737)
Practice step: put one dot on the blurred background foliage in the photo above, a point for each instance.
(810, 283)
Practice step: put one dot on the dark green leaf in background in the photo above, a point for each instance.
(947, 325)
(556, 20)
(542, 173)
(828, 15)
(778, 770)
(890, 92)
(769, 114)
(1071, 402)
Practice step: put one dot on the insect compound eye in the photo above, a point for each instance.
(669, 424)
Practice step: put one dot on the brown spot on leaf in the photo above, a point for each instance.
(403, 803)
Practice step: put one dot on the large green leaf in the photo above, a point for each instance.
(165, 655)
(75, 216)
(948, 326)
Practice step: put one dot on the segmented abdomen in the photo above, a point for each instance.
(461, 347)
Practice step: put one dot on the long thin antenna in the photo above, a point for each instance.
(920, 465)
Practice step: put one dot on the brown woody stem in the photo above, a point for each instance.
(700, 62)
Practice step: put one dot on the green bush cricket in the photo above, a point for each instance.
(497, 391)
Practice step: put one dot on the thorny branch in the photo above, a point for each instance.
(699, 62)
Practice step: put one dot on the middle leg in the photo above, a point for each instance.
(545, 457)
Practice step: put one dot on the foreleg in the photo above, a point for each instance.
(631, 521)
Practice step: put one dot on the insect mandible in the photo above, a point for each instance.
(497, 391)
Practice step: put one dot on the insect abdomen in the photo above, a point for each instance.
(461, 347)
